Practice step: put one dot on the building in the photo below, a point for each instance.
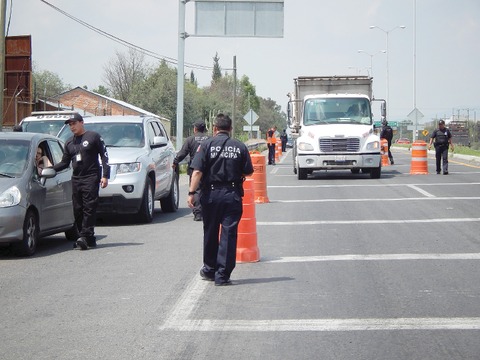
(89, 103)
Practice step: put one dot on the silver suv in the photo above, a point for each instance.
(141, 157)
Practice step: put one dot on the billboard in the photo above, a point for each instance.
(237, 18)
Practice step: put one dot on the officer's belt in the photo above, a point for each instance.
(223, 184)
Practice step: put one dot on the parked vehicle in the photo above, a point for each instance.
(32, 205)
(403, 141)
(45, 122)
(140, 156)
(331, 121)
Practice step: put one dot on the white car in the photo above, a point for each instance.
(45, 122)
(140, 156)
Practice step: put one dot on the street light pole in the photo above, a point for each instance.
(386, 47)
(371, 58)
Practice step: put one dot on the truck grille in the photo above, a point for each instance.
(340, 145)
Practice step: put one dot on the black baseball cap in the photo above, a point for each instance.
(441, 122)
(74, 117)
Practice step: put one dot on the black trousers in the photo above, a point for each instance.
(221, 207)
(441, 157)
(271, 154)
(85, 202)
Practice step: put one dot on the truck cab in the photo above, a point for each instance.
(331, 119)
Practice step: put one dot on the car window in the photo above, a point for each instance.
(13, 157)
(151, 133)
(51, 127)
(56, 151)
(157, 128)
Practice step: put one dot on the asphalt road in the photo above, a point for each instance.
(350, 268)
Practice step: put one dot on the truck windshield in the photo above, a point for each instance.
(337, 111)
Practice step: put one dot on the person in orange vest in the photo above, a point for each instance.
(271, 143)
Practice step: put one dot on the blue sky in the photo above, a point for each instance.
(320, 38)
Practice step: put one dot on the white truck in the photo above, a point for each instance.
(332, 124)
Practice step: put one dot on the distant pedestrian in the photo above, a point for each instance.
(443, 140)
(190, 148)
(83, 150)
(220, 165)
(387, 134)
(284, 139)
(271, 144)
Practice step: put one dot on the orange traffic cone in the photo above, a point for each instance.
(384, 147)
(247, 249)
(278, 149)
(419, 163)
(259, 178)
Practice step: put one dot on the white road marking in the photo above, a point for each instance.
(431, 197)
(313, 185)
(368, 324)
(373, 257)
(364, 222)
(180, 317)
(421, 191)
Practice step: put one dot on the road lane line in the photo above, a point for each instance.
(366, 185)
(331, 325)
(364, 222)
(421, 191)
(186, 304)
(378, 199)
(372, 257)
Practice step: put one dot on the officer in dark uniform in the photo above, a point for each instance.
(221, 164)
(387, 134)
(190, 148)
(83, 150)
(443, 139)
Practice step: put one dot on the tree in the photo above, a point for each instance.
(102, 90)
(217, 70)
(125, 72)
(48, 84)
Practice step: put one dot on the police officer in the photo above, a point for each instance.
(221, 164)
(83, 150)
(387, 134)
(271, 144)
(443, 139)
(190, 148)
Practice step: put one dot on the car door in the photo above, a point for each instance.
(162, 159)
(58, 210)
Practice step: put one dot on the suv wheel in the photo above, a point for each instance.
(170, 203)
(146, 209)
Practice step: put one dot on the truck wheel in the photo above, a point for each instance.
(28, 245)
(376, 172)
(170, 203)
(302, 174)
(145, 214)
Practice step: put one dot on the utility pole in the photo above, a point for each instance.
(2, 58)
(234, 94)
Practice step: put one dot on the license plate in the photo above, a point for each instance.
(340, 158)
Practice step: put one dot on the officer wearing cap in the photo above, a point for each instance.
(83, 150)
(387, 134)
(190, 148)
(221, 164)
(443, 139)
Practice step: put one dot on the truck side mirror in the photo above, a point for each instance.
(384, 109)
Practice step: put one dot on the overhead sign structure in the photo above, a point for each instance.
(239, 18)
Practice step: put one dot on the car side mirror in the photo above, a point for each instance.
(159, 141)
